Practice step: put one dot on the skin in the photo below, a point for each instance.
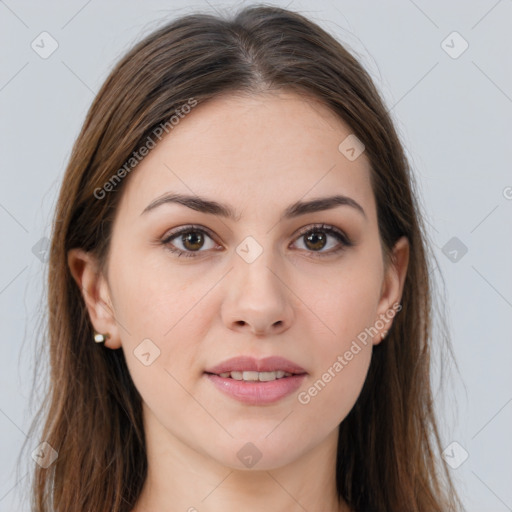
(258, 154)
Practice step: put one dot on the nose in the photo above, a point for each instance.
(258, 300)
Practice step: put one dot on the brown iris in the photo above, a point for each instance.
(315, 240)
(193, 240)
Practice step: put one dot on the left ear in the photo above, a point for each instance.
(392, 286)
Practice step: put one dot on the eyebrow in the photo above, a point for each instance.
(296, 209)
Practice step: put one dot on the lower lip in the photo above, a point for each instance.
(257, 392)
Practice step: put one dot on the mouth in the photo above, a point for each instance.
(253, 376)
(255, 381)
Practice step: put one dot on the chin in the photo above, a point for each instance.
(256, 453)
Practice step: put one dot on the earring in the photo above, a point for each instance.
(100, 338)
(383, 335)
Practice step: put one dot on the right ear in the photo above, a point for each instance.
(95, 291)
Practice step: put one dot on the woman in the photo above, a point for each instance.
(239, 296)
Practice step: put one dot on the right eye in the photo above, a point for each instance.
(191, 239)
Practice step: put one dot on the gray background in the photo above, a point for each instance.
(453, 115)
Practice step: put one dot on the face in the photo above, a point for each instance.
(190, 289)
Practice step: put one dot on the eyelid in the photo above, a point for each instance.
(169, 235)
(329, 228)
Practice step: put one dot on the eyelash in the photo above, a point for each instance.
(330, 230)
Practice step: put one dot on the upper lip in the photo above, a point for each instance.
(251, 364)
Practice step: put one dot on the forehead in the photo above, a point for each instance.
(252, 150)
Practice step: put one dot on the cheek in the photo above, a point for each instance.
(335, 389)
(348, 302)
(166, 327)
(162, 321)
(341, 359)
(153, 297)
(348, 307)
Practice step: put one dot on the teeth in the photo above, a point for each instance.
(256, 376)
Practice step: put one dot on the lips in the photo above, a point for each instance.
(263, 381)
(251, 364)
(257, 393)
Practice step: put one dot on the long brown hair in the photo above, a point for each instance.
(389, 447)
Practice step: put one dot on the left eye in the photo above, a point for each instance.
(314, 238)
